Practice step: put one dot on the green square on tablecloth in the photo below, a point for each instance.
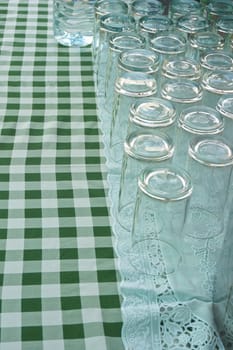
(31, 278)
(71, 303)
(32, 333)
(31, 304)
(73, 331)
(69, 277)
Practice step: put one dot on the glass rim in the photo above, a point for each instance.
(196, 42)
(158, 182)
(120, 22)
(221, 108)
(118, 42)
(101, 11)
(186, 85)
(149, 146)
(211, 151)
(139, 59)
(176, 36)
(216, 82)
(208, 122)
(142, 119)
(172, 68)
(136, 84)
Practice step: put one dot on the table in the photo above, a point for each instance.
(66, 280)
(59, 281)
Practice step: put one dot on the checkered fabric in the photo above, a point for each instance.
(58, 276)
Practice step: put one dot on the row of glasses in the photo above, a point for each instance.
(167, 111)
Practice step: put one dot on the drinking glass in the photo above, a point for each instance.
(141, 148)
(202, 42)
(224, 26)
(195, 120)
(210, 166)
(182, 93)
(169, 44)
(216, 61)
(152, 113)
(117, 44)
(151, 24)
(192, 23)
(225, 107)
(210, 163)
(140, 8)
(175, 69)
(162, 196)
(216, 84)
(216, 9)
(180, 8)
(73, 22)
(109, 24)
(129, 87)
(104, 7)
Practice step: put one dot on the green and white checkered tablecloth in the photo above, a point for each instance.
(58, 276)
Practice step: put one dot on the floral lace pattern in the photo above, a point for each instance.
(153, 317)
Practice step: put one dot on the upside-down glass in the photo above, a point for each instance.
(163, 195)
(202, 42)
(216, 9)
(73, 22)
(154, 251)
(215, 85)
(129, 87)
(225, 107)
(141, 148)
(152, 113)
(182, 93)
(168, 44)
(216, 61)
(210, 166)
(109, 24)
(152, 24)
(140, 8)
(136, 60)
(197, 120)
(192, 23)
(104, 7)
(175, 69)
(180, 8)
(224, 26)
(117, 44)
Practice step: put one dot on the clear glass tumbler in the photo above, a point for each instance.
(215, 60)
(180, 8)
(149, 25)
(224, 27)
(182, 93)
(215, 85)
(163, 195)
(225, 108)
(152, 113)
(105, 7)
(117, 43)
(195, 120)
(216, 9)
(202, 42)
(73, 22)
(210, 165)
(141, 148)
(109, 24)
(175, 69)
(129, 87)
(169, 44)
